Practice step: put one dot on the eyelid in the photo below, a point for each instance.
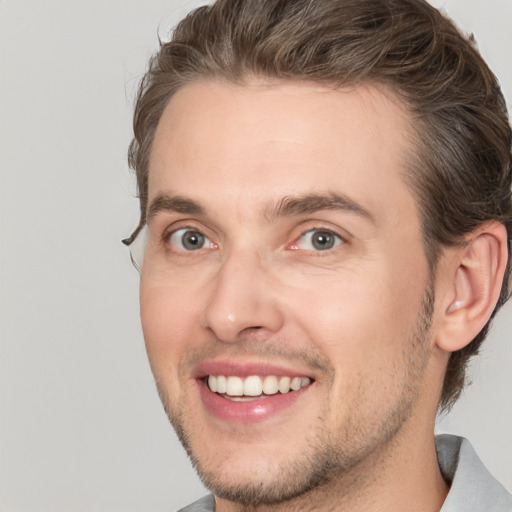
(167, 229)
(171, 231)
(341, 239)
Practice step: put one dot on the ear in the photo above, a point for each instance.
(473, 278)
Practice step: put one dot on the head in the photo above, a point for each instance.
(458, 161)
(406, 45)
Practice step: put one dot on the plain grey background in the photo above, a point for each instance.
(81, 427)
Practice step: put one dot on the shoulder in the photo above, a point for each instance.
(205, 504)
(472, 486)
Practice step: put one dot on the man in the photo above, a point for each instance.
(326, 217)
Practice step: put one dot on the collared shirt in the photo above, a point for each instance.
(472, 487)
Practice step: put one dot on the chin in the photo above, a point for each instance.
(265, 480)
(253, 469)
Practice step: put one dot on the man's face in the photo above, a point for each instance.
(284, 249)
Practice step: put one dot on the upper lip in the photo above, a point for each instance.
(245, 369)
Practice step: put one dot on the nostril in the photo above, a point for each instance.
(251, 329)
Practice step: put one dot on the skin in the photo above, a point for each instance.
(354, 318)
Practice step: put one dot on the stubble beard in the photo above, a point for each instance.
(328, 458)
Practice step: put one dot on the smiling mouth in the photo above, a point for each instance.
(252, 387)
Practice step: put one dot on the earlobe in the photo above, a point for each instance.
(477, 275)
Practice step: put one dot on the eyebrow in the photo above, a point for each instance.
(311, 203)
(286, 207)
(170, 203)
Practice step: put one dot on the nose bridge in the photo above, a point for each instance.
(242, 298)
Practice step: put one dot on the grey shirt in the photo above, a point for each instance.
(473, 488)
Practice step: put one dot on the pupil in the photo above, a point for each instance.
(322, 240)
(193, 240)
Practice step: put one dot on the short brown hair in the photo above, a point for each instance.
(461, 171)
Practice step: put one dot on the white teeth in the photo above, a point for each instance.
(270, 385)
(222, 384)
(235, 386)
(284, 384)
(295, 384)
(212, 383)
(254, 385)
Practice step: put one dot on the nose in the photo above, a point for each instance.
(243, 300)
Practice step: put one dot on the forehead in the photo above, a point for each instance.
(265, 140)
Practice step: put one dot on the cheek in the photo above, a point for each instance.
(167, 318)
(344, 309)
(365, 333)
(363, 322)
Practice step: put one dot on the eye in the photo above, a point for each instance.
(187, 239)
(318, 240)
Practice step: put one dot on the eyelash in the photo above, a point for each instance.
(168, 236)
(338, 239)
(294, 246)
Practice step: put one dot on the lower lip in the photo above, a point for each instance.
(250, 411)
